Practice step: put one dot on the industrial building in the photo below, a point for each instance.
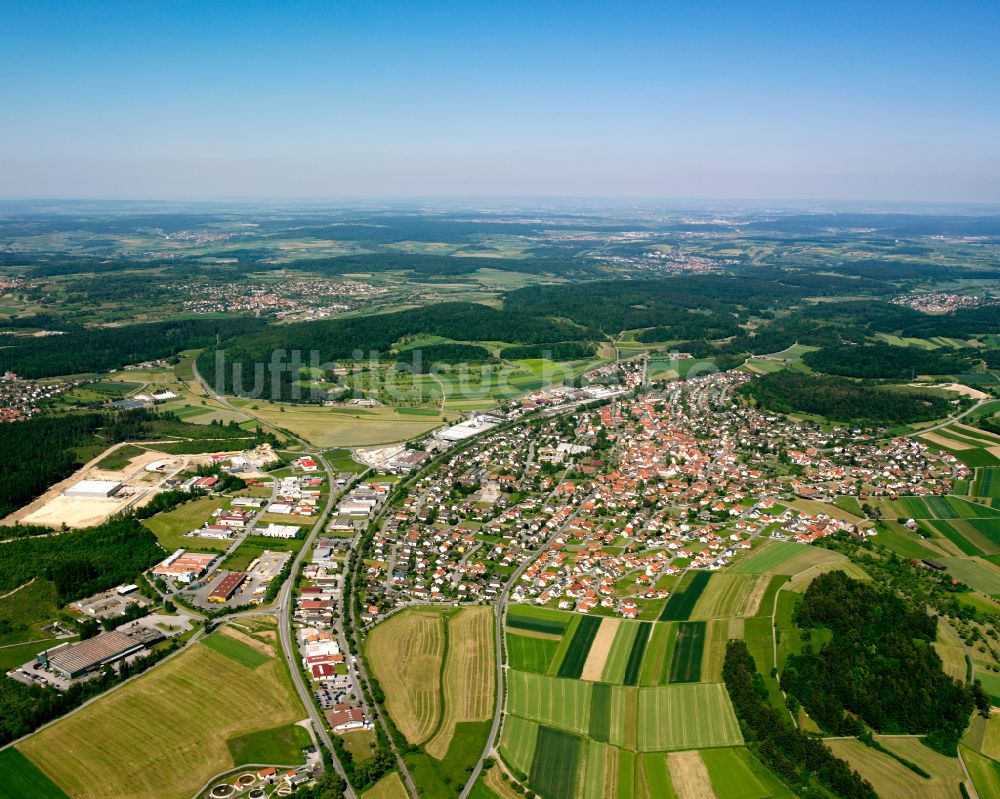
(93, 489)
(76, 660)
(227, 586)
(184, 566)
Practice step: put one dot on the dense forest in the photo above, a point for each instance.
(841, 400)
(438, 265)
(885, 360)
(559, 351)
(887, 640)
(788, 751)
(41, 451)
(359, 337)
(85, 350)
(81, 562)
(423, 358)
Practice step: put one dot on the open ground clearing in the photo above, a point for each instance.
(389, 787)
(83, 753)
(406, 654)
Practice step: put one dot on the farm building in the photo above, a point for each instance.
(93, 489)
(76, 660)
(227, 586)
(345, 717)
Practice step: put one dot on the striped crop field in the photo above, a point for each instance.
(579, 647)
(935, 507)
(618, 657)
(531, 652)
(601, 772)
(971, 536)
(659, 652)
(682, 602)
(601, 699)
(987, 483)
(554, 768)
(688, 650)
(550, 700)
(638, 650)
(731, 594)
(537, 620)
(686, 716)
(517, 743)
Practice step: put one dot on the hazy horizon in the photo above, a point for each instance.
(316, 102)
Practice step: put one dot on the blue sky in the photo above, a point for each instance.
(886, 100)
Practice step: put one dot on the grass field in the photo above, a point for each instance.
(985, 772)
(27, 610)
(681, 604)
(469, 681)
(653, 778)
(976, 572)
(579, 647)
(892, 780)
(517, 742)
(281, 746)
(783, 557)
(389, 787)
(359, 743)
(554, 768)
(406, 654)
(736, 774)
(686, 716)
(550, 700)
(236, 650)
(731, 594)
(169, 528)
(341, 427)
(538, 620)
(688, 651)
(530, 652)
(22, 779)
(84, 752)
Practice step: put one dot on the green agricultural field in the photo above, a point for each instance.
(634, 665)
(621, 649)
(656, 775)
(601, 702)
(554, 768)
(517, 743)
(600, 776)
(235, 650)
(83, 753)
(975, 572)
(737, 774)
(22, 779)
(539, 620)
(770, 556)
(904, 543)
(550, 700)
(281, 746)
(681, 604)
(987, 483)
(659, 654)
(688, 651)
(686, 716)
(579, 647)
(985, 772)
(530, 652)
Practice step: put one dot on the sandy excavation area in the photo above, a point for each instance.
(52, 509)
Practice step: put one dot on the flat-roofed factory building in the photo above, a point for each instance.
(93, 489)
(76, 660)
